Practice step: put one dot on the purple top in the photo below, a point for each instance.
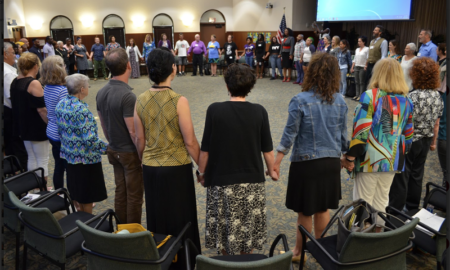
(198, 47)
(169, 46)
(249, 48)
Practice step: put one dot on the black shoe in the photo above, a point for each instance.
(201, 75)
(272, 78)
(194, 75)
(281, 78)
(178, 74)
(183, 74)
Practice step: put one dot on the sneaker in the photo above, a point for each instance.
(272, 78)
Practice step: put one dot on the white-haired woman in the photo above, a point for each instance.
(53, 74)
(407, 61)
(80, 145)
(64, 53)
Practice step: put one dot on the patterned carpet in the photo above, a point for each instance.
(201, 92)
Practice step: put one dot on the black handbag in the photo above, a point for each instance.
(207, 69)
(351, 87)
(358, 216)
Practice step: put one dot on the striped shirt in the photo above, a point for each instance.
(52, 95)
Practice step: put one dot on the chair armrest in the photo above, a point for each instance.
(411, 218)
(283, 238)
(187, 245)
(305, 234)
(110, 214)
(177, 240)
(434, 185)
(99, 216)
(332, 220)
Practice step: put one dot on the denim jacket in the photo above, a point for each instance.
(344, 58)
(317, 129)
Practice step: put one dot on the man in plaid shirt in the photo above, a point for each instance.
(298, 51)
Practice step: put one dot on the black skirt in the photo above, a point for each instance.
(314, 186)
(86, 183)
(285, 61)
(171, 203)
(259, 58)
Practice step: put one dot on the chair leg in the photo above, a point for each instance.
(17, 250)
(24, 256)
(439, 267)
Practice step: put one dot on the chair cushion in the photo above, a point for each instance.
(162, 250)
(241, 258)
(54, 204)
(421, 240)
(73, 242)
(329, 243)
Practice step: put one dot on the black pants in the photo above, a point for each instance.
(442, 155)
(84, 72)
(14, 144)
(60, 165)
(369, 74)
(197, 61)
(407, 186)
(71, 68)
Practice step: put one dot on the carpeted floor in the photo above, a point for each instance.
(201, 92)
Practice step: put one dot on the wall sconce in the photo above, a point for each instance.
(36, 23)
(87, 21)
(187, 20)
(138, 21)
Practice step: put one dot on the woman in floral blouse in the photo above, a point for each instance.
(80, 145)
(382, 135)
(394, 51)
(148, 47)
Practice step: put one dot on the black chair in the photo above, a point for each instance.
(11, 165)
(365, 251)
(247, 261)
(20, 185)
(137, 251)
(436, 197)
(56, 240)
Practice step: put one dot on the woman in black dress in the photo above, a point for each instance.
(260, 50)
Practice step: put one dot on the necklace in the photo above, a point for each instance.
(161, 87)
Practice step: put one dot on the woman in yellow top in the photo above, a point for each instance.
(165, 141)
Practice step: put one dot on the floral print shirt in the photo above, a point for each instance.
(78, 132)
(397, 57)
(111, 46)
(147, 49)
(428, 107)
(382, 132)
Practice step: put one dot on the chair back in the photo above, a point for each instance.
(438, 198)
(24, 182)
(279, 262)
(135, 246)
(11, 166)
(39, 222)
(10, 218)
(366, 246)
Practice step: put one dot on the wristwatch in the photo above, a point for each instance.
(349, 160)
(198, 173)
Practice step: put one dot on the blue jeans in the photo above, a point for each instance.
(275, 62)
(249, 60)
(343, 84)
(299, 68)
(60, 165)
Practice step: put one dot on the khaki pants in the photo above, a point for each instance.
(97, 65)
(373, 187)
(129, 185)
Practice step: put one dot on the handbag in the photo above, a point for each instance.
(358, 216)
(351, 87)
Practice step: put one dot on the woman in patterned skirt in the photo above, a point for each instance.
(148, 47)
(133, 53)
(81, 54)
(232, 170)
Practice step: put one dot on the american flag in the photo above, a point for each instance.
(280, 32)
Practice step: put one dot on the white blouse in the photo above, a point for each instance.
(361, 56)
(306, 54)
(406, 66)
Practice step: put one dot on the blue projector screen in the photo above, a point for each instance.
(363, 10)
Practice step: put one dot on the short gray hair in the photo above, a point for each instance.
(6, 46)
(75, 82)
(328, 37)
(427, 32)
(59, 42)
(412, 46)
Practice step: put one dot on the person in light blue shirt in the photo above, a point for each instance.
(213, 54)
(428, 48)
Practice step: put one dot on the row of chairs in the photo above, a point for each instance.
(58, 240)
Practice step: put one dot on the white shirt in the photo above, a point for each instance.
(9, 74)
(182, 47)
(361, 56)
(406, 66)
(49, 50)
(306, 54)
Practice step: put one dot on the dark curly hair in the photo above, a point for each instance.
(160, 64)
(323, 76)
(424, 73)
(240, 79)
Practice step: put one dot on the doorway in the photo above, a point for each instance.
(18, 33)
(163, 24)
(113, 25)
(213, 22)
(61, 28)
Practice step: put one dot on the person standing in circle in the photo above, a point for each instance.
(82, 54)
(134, 55)
(181, 48)
(249, 48)
(260, 50)
(148, 47)
(164, 42)
(287, 54)
(274, 60)
(230, 51)
(213, 54)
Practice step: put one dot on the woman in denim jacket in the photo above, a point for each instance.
(345, 63)
(317, 127)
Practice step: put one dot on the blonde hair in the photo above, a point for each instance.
(148, 35)
(27, 62)
(335, 41)
(388, 76)
(53, 71)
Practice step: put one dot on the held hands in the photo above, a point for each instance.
(201, 180)
(273, 174)
(352, 70)
(347, 164)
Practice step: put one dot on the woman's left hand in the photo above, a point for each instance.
(432, 147)
(201, 180)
